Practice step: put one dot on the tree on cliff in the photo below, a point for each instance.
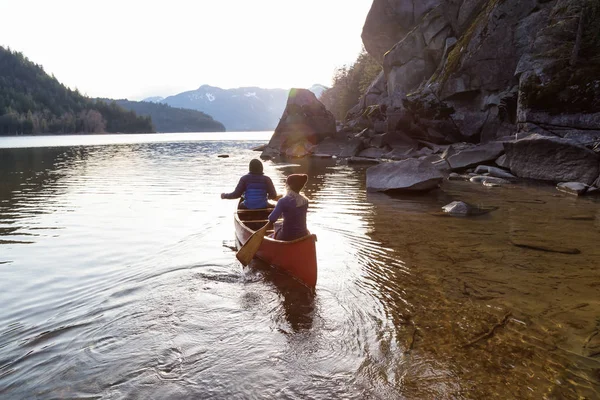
(32, 102)
(349, 83)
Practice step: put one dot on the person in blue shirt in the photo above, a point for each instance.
(294, 207)
(256, 188)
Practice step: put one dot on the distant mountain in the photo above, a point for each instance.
(32, 102)
(240, 109)
(155, 99)
(318, 89)
(170, 119)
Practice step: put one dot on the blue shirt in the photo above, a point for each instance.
(294, 219)
(256, 188)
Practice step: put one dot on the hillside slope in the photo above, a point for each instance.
(32, 102)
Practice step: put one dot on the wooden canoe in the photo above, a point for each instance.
(298, 258)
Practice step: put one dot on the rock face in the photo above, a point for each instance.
(305, 122)
(552, 159)
(479, 70)
(407, 175)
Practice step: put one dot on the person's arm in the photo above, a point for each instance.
(271, 190)
(239, 190)
(276, 213)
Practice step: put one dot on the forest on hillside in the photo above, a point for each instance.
(33, 102)
(349, 84)
(171, 119)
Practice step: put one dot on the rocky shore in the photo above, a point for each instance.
(403, 163)
(486, 90)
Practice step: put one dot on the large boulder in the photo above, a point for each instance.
(305, 122)
(475, 155)
(407, 175)
(552, 159)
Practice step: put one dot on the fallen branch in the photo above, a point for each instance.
(412, 340)
(489, 333)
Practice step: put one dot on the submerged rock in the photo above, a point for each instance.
(457, 208)
(462, 209)
(575, 188)
(407, 175)
(489, 180)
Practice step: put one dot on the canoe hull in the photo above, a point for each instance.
(298, 258)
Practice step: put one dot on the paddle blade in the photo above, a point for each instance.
(249, 249)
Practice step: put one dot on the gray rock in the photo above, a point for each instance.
(475, 155)
(489, 179)
(457, 208)
(373, 152)
(269, 153)
(304, 123)
(363, 160)
(490, 184)
(493, 171)
(575, 188)
(439, 164)
(407, 175)
(399, 153)
(259, 148)
(458, 177)
(502, 162)
(352, 148)
(330, 146)
(552, 159)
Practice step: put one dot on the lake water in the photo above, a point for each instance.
(118, 281)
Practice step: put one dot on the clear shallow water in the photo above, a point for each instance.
(117, 280)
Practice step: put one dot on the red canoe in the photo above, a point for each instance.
(298, 257)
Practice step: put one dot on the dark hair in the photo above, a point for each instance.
(256, 167)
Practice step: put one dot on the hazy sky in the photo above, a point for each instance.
(139, 48)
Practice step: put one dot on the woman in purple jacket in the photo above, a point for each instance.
(256, 187)
(294, 207)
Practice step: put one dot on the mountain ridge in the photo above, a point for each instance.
(249, 108)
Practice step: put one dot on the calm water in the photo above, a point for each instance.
(118, 281)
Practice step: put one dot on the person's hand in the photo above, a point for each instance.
(222, 195)
(279, 196)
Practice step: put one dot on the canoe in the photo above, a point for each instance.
(297, 258)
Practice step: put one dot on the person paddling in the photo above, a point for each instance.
(294, 207)
(256, 188)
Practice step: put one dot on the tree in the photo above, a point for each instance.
(349, 84)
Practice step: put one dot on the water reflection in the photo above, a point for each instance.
(137, 294)
(298, 301)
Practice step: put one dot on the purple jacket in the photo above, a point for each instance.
(256, 188)
(294, 219)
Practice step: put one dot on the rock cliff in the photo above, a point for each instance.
(480, 70)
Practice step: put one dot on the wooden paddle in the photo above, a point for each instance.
(249, 249)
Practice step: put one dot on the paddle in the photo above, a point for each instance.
(249, 249)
